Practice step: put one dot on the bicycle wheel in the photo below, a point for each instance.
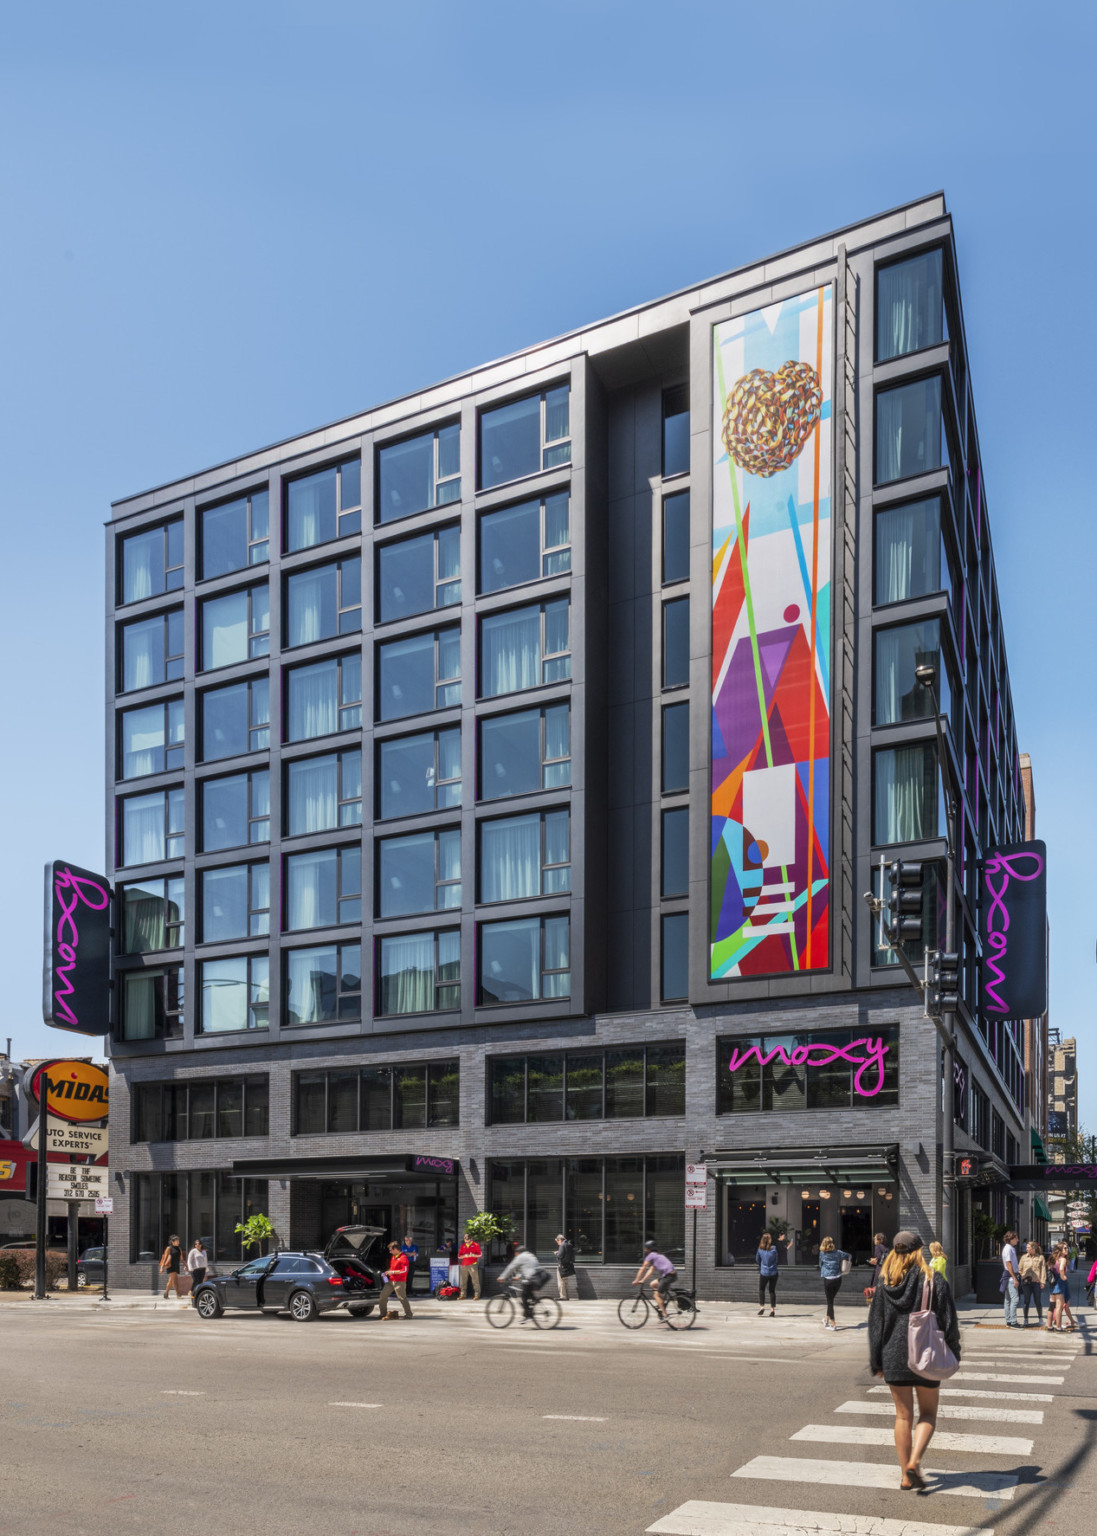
(633, 1310)
(546, 1312)
(500, 1311)
(681, 1310)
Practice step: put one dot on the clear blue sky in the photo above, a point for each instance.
(215, 218)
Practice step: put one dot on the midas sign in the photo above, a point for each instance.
(75, 1090)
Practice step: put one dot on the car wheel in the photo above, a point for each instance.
(81, 1282)
(303, 1308)
(208, 1305)
(360, 1309)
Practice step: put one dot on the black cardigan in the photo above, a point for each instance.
(887, 1326)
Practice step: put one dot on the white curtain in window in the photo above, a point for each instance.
(142, 555)
(510, 859)
(512, 652)
(140, 1005)
(311, 975)
(895, 554)
(143, 650)
(902, 814)
(224, 995)
(313, 795)
(306, 606)
(143, 829)
(407, 974)
(145, 926)
(143, 741)
(312, 702)
(305, 513)
(310, 898)
(225, 630)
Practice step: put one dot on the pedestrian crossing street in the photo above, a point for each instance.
(987, 1477)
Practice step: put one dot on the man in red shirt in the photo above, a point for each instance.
(468, 1256)
(396, 1278)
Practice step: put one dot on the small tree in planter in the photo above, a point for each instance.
(254, 1232)
(485, 1228)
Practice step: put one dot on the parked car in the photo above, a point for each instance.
(89, 1267)
(304, 1283)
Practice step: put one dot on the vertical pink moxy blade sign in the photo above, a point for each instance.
(76, 978)
(1013, 931)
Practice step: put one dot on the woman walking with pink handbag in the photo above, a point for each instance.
(912, 1322)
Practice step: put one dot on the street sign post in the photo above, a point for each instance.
(75, 1181)
(104, 1205)
(696, 1200)
(696, 1197)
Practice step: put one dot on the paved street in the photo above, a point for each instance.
(151, 1420)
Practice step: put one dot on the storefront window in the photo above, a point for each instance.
(621, 1084)
(799, 1212)
(207, 1205)
(606, 1206)
(377, 1098)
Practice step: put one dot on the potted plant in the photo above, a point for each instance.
(255, 1231)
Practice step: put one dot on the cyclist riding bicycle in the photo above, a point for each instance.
(531, 1276)
(663, 1274)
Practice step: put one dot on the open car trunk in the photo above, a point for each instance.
(362, 1245)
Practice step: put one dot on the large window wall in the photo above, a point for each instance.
(209, 1205)
(607, 1206)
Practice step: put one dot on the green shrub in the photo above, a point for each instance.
(10, 1278)
(17, 1268)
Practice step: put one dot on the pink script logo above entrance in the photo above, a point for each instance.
(820, 1054)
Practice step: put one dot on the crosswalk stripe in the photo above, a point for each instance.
(700, 1517)
(1000, 1397)
(1033, 1381)
(955, 1411)
(860, 1474)
(857, 1434)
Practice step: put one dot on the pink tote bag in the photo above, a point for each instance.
(927, 1353)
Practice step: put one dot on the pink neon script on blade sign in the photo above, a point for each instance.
(804, 1055)
(998, 913)
(68, 935)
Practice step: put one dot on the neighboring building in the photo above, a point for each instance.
(1062, 1075)
(493, 778)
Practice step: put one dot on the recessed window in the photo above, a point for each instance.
(675, 957)
(152, 827)
(235, 994)
(909, 430)
(525, 960)
(525, 752)
(676, 430)
(675, 863)
(676, 643)
(417, 575)
(235, 810)
(152, 915)
(419, 873)
(419, 773)
(235, 534)
(408, 1096)
(523, 856)
(905, 794)
(911, 559)
(235, 902)
(898, 695)
(676, 537)
(419, 973)
(419, 674)
(525, 437)
(236, 719)
(910, 310)
(152, 562)
(152, 650)
(525, 543)
(324, 888)
(324, 506)
(525, 648)
(200, 1110)
(761, 1072)
(324, 792)
(324, 984)
(235, 627)
(675, 748)
(625, 1083)
(325, 698)
(419, 473)
(324, 602)
(152, 1003)
(152, 739)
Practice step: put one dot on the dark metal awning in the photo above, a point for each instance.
(397, 1167)
(808, 1165)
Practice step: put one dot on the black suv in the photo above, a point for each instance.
(303, 1283)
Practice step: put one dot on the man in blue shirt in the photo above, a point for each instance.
(662, 1273)
(410, 1250)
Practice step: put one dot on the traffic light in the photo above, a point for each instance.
(944, 984)
(905, 902)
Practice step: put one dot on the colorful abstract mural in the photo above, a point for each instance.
(771, 639)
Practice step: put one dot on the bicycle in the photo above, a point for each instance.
(502, 1309)
(634, 1311)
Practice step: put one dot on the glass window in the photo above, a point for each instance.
(410, 1084)
(152, 1004)
(324, 984)
(676, 537)
(523, 856)
(525, 543)
(376, 1098)
(152, 827)
(420, 973)
(324, 601)
(235, 534)
(909, 437)
(909, 306)
(625, 1083)
(235, 627)
(676, 430)
(675, 748)
(544, 1204)
(417, 575)
(507, 1087)
(325, 698)
(152, 562)
(525, 752)
(236, 811)
(419, 674)
(676, 643)
(525, 648)
(235, 994)
(324, 888)
(443, 1093)
(623, 1209)
(675, 864)
(324, 792)
(834, 1069)
(523, 960)
(152, 915)
(909, 555)
(665, 1091)
(419, 873)
(419, 473)
(524, 437)
(905, 794)
(419, 773)
(583, 1096)
(152, 739)
(898, 695)
(324, 506)
(235, 902)
(152, 651)
(544, 1088)
(675, 960)
(235, 719)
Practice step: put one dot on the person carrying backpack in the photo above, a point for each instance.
(530, 1276)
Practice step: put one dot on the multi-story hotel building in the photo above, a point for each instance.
(494, 777)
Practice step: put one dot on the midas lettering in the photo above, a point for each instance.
(62, 1088)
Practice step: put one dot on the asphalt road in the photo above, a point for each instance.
(258, 1426)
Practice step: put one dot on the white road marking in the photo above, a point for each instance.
(580, 1418)
(860, 1474)
(699, 1517)
(955, 1411)
(1001, 1397)
(1033, 1381)
(356, 1405)
(178, 1392)
(857, 1434)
